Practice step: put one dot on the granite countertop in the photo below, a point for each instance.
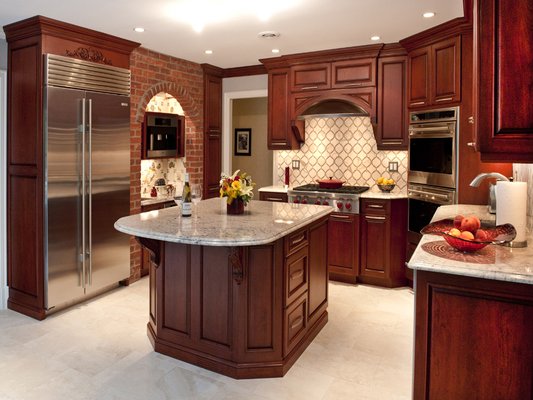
(262, 222)
(148, 201)
(492, 262)
(275, 189)
(375, 193)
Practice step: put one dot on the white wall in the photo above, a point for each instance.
(237, 88)
(3, 54)
(3, 271)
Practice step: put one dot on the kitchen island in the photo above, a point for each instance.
(473, 318)
(242, 295)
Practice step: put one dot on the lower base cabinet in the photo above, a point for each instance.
(343, 247)
(473, 338)
(383, 238)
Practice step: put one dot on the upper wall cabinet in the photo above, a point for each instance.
(503, 74)
(435, 74)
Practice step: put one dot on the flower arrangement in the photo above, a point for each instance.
(237, 186)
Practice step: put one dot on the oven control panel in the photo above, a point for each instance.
(347, 204)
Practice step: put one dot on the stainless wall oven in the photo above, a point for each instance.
(432, 173)
(432, 147)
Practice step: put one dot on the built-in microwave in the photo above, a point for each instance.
(163, 135)
(432, 147)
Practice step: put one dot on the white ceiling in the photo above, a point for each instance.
(304, 25)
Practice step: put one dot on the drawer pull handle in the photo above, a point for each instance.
(300, 239)
(297, 322)
(471, 144)
(309, 87)
(471, 120)
(340, 216)
(297, 274)
(418, 103)
(444, 99)
(375, 218)
(274, 199)
(354, 84)
(375, 206)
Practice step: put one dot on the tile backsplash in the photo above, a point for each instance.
(343, 148)
(170, 169)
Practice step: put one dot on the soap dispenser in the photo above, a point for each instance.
(492, 187)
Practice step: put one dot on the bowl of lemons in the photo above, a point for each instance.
(385, 184)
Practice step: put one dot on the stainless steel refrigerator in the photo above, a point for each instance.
(87, 167)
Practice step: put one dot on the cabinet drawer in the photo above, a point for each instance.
(295, 241)
(375, 206)
(273, 196)
(353, 73)
(310, 77)
(295, 321)
(296, 274)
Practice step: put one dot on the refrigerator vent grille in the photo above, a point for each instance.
(78, 74)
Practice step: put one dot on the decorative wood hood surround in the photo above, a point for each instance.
(304, 81)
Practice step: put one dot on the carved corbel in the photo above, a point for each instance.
(235, 261)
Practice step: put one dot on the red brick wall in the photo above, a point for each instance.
(151, 73)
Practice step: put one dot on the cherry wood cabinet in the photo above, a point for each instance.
(212, 130)
(343, 247)
(503, 75)
(472, 338)
(392, 120)
(273, 196)
(28, 41)
(246, 312)
(383, 242)
(145, 257)
(434, 74)
(313, 76)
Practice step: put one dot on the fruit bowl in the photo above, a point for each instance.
(494, 235)
(386, 188)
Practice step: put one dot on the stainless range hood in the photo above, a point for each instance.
(333, 109)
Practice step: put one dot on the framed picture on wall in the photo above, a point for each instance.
(243, 142)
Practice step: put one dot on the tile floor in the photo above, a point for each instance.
(99, 350)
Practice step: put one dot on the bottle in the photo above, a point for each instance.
(186, 198)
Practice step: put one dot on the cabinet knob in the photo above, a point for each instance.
(471, 120)
(471, 144)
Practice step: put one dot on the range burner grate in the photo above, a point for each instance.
(343, 189)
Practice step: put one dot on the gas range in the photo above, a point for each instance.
(344, 199)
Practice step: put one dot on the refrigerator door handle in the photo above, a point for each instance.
(90, 218)
(83, 196)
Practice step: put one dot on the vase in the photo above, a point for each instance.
(236, 207)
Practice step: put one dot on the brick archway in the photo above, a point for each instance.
(151, 73)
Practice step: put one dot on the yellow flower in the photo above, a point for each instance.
(236, 185)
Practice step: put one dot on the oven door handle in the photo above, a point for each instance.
(422, 192)
(431, 129)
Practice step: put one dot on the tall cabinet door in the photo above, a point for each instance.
(63, 152)
(212, 134)
(109, 192)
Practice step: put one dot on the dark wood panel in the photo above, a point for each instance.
(296, 274)
(392, 106)
(176, 308)
(446, 74)
(25, 255)
(212, 164)
(419, 73)
(25, 103)
(504, 116)
(216, 296)
(279, 119)
(295, 324)
(341, 244)
(357, 72)
(310, 76)
(472, 338)
(318, 271)
(263, 317)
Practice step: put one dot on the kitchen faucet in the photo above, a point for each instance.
(492, 188)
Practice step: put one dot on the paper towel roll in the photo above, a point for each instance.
(511, 204)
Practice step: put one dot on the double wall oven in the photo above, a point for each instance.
(432, 174)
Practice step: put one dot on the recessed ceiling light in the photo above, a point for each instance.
(139, 29)
(429, 14)
(375, 37)
(209, 52)
(268, 34)
(275, 51)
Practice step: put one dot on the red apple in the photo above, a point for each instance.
(457, 221)
(467, 235)
(482, 235)
(471, 224)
